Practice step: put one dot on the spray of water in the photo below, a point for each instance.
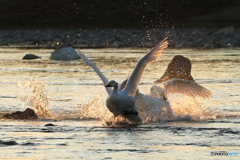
(188, 108)
(35, 96)
(95, 110)
(179, 107)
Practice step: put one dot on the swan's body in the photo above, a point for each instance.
(122, 103)
(152, 106)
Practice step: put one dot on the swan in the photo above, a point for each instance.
(122, 102)
(178, 79)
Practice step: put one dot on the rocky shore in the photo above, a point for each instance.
(203, 38)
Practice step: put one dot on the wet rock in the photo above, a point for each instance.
(49, 124)
(28, 114)
(30, 56)
(28, 144)
(65, 54)
(8, 142)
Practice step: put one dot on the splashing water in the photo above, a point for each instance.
(36, 96)
(180, 107)
(95, 109)
(188, 108)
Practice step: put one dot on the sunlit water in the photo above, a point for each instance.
(76, 103)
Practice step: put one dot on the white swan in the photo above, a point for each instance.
(122, 103)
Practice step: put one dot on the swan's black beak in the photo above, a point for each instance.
(107, 85)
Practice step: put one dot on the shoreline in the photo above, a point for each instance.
(195, 38)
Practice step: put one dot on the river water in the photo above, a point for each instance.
(75, 100)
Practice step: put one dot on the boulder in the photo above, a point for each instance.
(49, 124)
(30, 56)
(9, 143)
(65, 54)
(28, 114)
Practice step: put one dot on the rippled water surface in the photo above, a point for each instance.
(78, 133)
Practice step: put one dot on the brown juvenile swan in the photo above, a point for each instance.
(178, 79)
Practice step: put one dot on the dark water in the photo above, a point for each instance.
(75, 94)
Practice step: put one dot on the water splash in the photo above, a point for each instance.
(95, 109)
(35, 96)
(179, 107)
(188, 108)
(153, 109)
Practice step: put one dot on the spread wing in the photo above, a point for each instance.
(177, 79)
(179, 68)
(135, 77)
(103, 78)
(189, 88)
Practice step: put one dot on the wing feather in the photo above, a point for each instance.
(135, 77)
(103, 78)
(185, 87)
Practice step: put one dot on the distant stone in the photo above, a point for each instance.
(228, 30)
(30, 56)
(65, 54)
(28, 114)
(49, 124)
(8, 142)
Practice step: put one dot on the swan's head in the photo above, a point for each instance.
(157, 91)
(112, 83)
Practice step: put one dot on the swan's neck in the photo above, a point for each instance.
(115, 90)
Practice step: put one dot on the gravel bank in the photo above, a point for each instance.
(179, 38)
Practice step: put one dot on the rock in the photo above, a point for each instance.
(30, 56)
(49, 124)
(65, 54)
(8, 142)
(28, 114)
(228, 30)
